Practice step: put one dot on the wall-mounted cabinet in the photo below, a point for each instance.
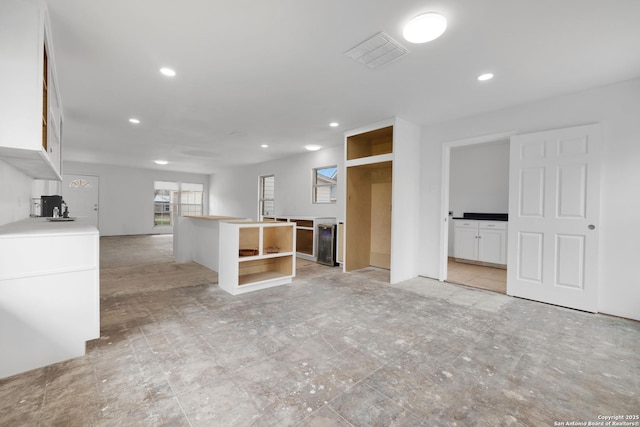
(256, 255)
(382, 170)
(30, 107)
(480, 242)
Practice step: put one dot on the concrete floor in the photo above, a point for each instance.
(331, 349)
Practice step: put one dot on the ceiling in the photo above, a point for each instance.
(275, 72)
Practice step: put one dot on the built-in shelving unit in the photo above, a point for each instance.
(306, 233)
(256, 255)
(382, 170)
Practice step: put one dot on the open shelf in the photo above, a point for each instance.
(374, 143)
(249, 241)
(260, 268)
(304, 241)
(277, 237)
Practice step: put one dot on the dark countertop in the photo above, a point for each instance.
(484, 216)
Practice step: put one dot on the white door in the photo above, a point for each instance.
(80, 193)
(554, 204)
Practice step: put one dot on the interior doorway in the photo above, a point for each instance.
(469, 167)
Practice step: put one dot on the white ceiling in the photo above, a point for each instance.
(252, 72)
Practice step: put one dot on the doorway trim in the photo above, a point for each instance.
(444, 196)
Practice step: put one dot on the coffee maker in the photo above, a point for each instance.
(48, 205)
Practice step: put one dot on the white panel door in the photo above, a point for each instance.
(554, 203)
(80, 193)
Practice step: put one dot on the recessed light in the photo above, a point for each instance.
(485, 77)
(161, 162)
(424, 28)
(334, 124)
(168, 72)
(134, 121)
(264, 146)
(312, 147)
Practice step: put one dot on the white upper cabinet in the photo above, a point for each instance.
(30, 107)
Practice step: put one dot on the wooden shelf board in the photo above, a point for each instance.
(265, 256)
(250, 279)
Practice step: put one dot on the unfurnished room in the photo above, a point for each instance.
(319, 213)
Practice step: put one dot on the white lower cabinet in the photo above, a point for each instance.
(481, 241)
(256, 255)
(49, 292)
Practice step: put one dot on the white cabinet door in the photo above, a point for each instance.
(492, 246)
(554, 189)
(466, 240)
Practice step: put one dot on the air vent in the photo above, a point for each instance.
(377, 51)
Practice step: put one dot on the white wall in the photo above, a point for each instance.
(479, 180)
(617, 107)
(126, 196)
(234, 192)
(15, 194)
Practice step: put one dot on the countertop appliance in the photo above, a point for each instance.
(49, 203)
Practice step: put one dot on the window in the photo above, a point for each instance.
(325, 181)
(191, 199)
(267, 195)
(173, 199)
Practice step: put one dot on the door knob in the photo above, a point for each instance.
(591, 227)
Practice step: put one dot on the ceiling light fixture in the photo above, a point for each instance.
(264, 146)
(334, 124)
(161, 162)
(134, 121)
(312, 147)
(168, 72)
(424, 28)
(485, 77)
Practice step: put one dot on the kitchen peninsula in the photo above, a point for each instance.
(196, 238)
(247, 255)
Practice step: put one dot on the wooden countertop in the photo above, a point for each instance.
(215, 217)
